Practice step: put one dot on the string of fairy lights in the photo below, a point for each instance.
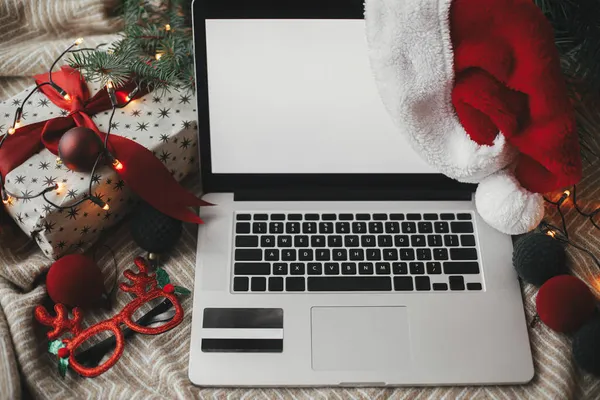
(9, 197)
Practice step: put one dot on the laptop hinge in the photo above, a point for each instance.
(341, 194)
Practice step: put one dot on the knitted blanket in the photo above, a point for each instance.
(32, 34)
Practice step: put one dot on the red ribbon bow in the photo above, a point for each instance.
(143, 172)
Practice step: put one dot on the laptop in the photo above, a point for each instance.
(334, 255)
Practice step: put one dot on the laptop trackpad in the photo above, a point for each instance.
(360, 338)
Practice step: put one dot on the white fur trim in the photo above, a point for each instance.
(506, 206)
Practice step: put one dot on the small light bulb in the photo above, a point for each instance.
(7, 200)
(78, 41)
(59, 161)
(67, 97)
(127, 99)
(117, 164)
(158, 56)
(110, 85)
(11, 131)
(567, 193)
(167, 27)
(18, 123)
(106, 207)
(59, 187)
(551, 234)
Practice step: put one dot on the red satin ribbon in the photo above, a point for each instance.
(143, 172)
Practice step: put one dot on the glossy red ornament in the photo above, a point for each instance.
(564, 303)
(169, 288)
(79, 148)
(75, 280)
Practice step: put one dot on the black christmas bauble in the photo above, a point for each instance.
(79, 148)
(538, 257)
(586, 346)
(154, 231)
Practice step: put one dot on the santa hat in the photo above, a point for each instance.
(476, 86)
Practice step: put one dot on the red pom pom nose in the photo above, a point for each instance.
(564, 303)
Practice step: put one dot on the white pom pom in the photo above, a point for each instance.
(506, 206)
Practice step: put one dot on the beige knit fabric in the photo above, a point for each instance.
(32, 33)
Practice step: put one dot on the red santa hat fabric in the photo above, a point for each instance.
(477, 88)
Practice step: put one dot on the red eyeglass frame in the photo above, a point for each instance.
(143, 286)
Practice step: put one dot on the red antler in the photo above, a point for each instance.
(61, 323)
(139, 282)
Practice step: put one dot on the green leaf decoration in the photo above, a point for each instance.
(54, 345)
(182, 291)
(162, 277)
(63, 365)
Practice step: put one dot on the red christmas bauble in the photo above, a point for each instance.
(79, 148)
(76, 281)
(564, 303)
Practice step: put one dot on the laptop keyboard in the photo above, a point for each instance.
(276, 252)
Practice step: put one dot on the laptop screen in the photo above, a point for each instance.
(291, 96)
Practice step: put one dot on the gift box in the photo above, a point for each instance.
(165, 124)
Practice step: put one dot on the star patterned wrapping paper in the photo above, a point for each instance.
(164, 124)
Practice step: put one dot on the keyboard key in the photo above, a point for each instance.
(373, 254)
(403, 284)
(278, 217)
(322, 255)
(345, 217)
(367, 241)
(400, 268)
(375, 227)
(318, 241)
(430, 217)
(342, 227)
(474, 286)
(461, 268)
(335, 241)
(425, 227)
(340, 254)
(258, 284)
(363, 217)
(417, 268)
(242, 227)
(288, 255)
(276, 227)
(397, 217)
(409, 227)
(382, 268)
(280, 269)
(248, 255)
(461, 227)
(463, 254)
(294, 284)
(467, 240)
(392, 227)
(384, 240)
(423, 254)
(440, 254)
(246, 241)
(407, 254)
(294, 217)
(297, 268)
(261, 217)
(451, 240)
(447, 217)
(357, 254)
(435, 241)
(301, 241)
(309, 227)
(332, 268)
(311, 217)
(314, 268)
(284, 241)
(275, 284)
(390, 254)
(259, 227)
(380, 217)
(328, 217)
(292, 227)
(272, 255)
(434, 268)
(349, 284)
(305, 255)
(325, 227)
(348, 268)
(413, 217)
(441, 227)
(243, 217)
(457, 283)
(365, 268)
(464, 216)
(241, 284)
(422, 283)
(440, 286)
(267, 241)
(418, 241)
(401, 241)
(359, 227)
(351, 241)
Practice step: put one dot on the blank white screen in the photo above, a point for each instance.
(298, 96)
